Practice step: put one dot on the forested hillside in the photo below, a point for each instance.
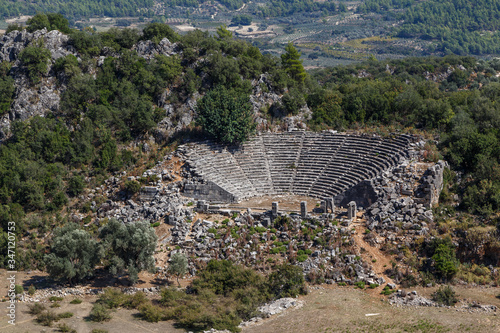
(77, 9)
(458, 26)
(107, 108)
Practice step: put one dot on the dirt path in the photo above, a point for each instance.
(370, 253)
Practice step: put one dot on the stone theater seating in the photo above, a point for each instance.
(302, 163)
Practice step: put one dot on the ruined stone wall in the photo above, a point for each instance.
(432, 183)
(363, 194)
(208, 191)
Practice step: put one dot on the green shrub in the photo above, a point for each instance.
(35, 59)
(31, 290)
(302, 257)
(132, 186)
(55, 299)
(65, 315)
(156, 31)
(100, 313)
(342, 284)
(156, 224)
(170, 296)
(445, 295)
(18, 289)
(387, 291)
(112, 298)
(360, 284)
(7, 90)
(287, 281)
(151, 313)
(76, 185)
(46, 318)
(222, 277)
(35, 308)
(55, 305)
(135, 301)
(373, 285)
(65, 328)
(76, 301)
(96, 330)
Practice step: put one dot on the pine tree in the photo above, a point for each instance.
(292, 63)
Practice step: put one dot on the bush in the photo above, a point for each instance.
(169, 296)
(135, 301)
(76, 301)
(46, 318)
(31, 290)
(65, 328)
(287, 281)
(445, 295)
(100, 313)
(223, 277)
(112, 298)
(55, 305)
(445, 261)
(96, 330)
(55, 299)
(155, 32)
(18, 289)
(7, 89)
(65, 315)
(35, 59)
(373, 285)
(151, 313)
(35, 308)
(132, 186)
(302, 257)
(360, 284)
(387, 291)
(76, 184)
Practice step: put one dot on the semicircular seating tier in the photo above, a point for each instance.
(302, 163)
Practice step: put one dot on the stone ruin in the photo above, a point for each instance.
(382, 178)
(310, 164)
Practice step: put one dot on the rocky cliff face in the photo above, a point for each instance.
(31, 100)
(40, 99)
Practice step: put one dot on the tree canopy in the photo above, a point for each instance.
(73, 254)
(226, 115)
(129, 247)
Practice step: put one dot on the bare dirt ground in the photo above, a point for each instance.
(344, 309)
(328, 309)
(123, 321)
(379, 261)
(289, 203)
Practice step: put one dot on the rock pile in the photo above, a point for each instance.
(279, 306)
(402, 298)
(148, 49)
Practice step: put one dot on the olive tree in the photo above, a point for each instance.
(178, 266)
(129, 247)
(74, 254)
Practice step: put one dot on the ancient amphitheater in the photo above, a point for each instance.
(309, 164)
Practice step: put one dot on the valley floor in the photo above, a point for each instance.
(326, 309)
